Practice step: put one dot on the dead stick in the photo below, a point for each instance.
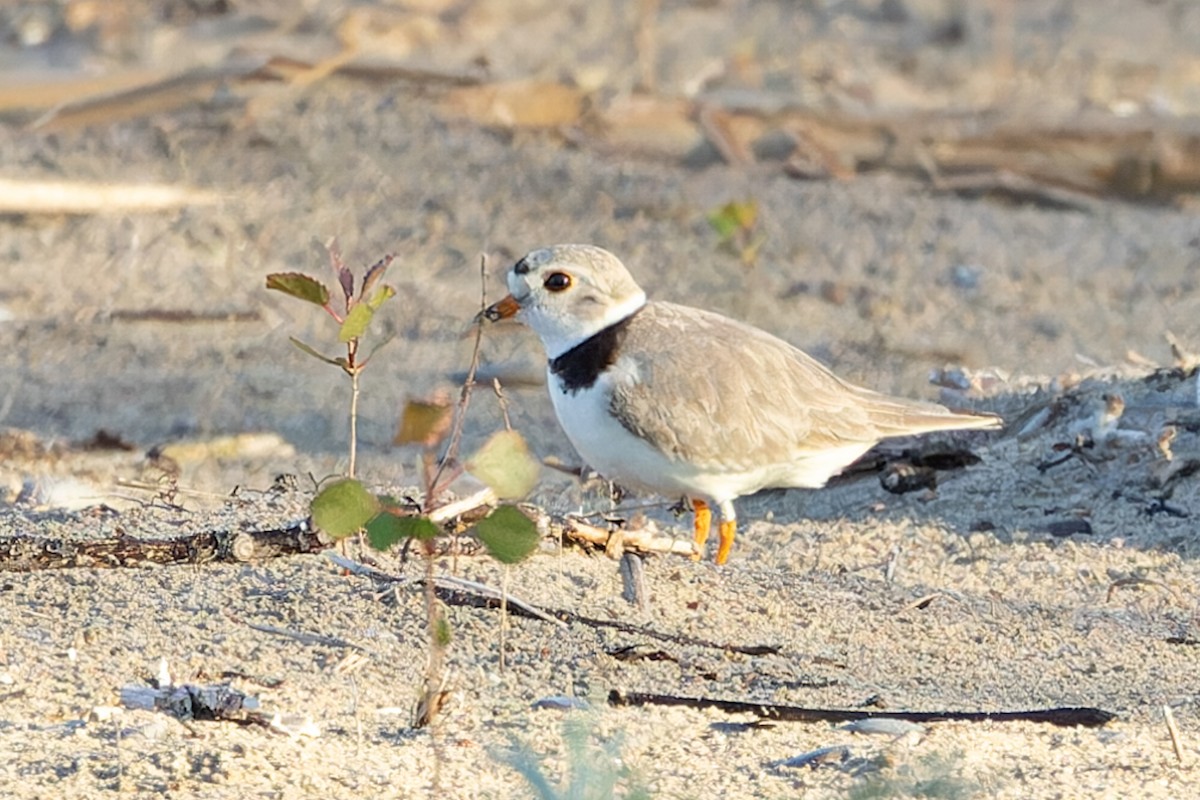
(29, 553)
(640, 541)
(1066, 717)
(299, 636)
(1173, 730)
(456, 597)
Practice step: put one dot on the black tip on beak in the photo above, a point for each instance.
(501, 309)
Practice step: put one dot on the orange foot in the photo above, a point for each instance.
(726, 532)
(702, 525)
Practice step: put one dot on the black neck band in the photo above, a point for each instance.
(579, 367)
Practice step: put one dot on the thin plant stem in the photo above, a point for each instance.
(460, 412)
(354, 392)
(464, 398)
(433, 610)
(358, 726)
(502, 401)
(431, 699)
(503, 612)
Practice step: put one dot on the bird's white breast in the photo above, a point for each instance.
(605, 444)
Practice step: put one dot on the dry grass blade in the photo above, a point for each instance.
(159, 96)
(299, 636)
(1173, 731)
(24, 92)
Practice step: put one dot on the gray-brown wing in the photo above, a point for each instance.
(715, 391)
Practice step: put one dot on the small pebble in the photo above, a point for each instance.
(965, 276)
(822, 755)
(883, 727)
(561, 703)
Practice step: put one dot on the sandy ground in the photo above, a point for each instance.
(878, 276)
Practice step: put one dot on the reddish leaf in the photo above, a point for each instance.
(373, 275)
(424, 423)
(346, 279)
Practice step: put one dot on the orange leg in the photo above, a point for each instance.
(726, 532)
(702, 526)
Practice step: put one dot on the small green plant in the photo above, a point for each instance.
(593, 772)
(345, 507)
(934, 776)
(736, 225)
(353, 318)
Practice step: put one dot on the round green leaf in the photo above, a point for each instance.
(505, 464)
(509, 535)
(386, 529)
(343, 507)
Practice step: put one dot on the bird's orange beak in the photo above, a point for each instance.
(502, 309)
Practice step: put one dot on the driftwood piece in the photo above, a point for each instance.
(37, 196)
(1001, 150)
(1066, 716)
(218, 702)
(187, 702)
(27, 553)
(1004, 151)
(1138, 158)
(159, 94)
(637, 541)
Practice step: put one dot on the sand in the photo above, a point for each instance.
(988, 594)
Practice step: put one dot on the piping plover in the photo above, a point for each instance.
(681, 401)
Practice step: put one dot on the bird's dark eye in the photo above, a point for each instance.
(557, 281)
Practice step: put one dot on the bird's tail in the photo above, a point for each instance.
(897, 417)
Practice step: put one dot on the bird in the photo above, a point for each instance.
(683, 402)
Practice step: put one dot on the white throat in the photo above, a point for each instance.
(558, 336)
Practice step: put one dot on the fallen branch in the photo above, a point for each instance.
(28, 553)
(446, 585)
(451, 587)
(1066, 717)
(636, 540)
(218, 702)
(471, 599)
